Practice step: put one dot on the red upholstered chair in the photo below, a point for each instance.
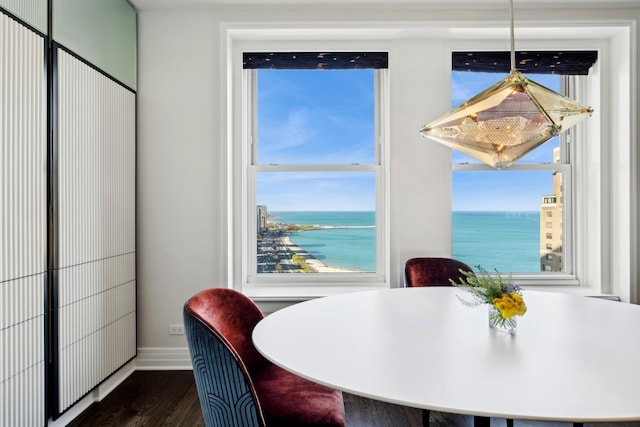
(420, 272)
(236, 384)
(433, 271)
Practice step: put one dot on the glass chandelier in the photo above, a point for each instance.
(506, 121)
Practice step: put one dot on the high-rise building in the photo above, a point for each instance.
(261, 216)
(551, 223)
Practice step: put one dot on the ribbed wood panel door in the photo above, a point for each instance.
(94, 282)
(23, 224)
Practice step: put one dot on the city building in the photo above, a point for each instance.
(261, 218)
(551, 224)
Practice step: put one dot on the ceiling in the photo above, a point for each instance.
(436, 4)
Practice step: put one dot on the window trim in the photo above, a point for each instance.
(593, 190)
(615, 264)
(574, 87)
(542, 278)
(302, 286)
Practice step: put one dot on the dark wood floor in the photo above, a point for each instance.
(169, 398)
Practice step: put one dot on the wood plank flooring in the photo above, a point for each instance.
(170, 399)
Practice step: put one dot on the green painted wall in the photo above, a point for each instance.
(33, 12)
(103, 32)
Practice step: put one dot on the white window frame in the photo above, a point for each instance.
(593, 194)
(282, 286)
(544, 278)
(607, 199)
(567, 277)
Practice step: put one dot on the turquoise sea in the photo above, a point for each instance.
(351, 248)
(506, 241)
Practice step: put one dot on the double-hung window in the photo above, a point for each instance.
(315, 169)
(518, 220)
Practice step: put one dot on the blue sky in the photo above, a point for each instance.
(323, 117)
(308, 116)
(316, 117)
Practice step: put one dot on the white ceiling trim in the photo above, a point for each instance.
(395, 4)
(449, 30)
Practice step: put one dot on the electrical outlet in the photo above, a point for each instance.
(176, 329)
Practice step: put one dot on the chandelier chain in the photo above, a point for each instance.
(513, 45)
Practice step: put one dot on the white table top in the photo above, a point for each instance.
(572, 358)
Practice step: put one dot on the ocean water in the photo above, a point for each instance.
(351, 248)
(506, 241)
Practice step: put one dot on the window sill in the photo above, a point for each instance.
(296, 293)
(573, 290)
(272, 292)
(560, 283)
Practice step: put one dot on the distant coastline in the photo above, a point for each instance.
(335, 242)
(277, 253)
(345, 241)
(317, 265)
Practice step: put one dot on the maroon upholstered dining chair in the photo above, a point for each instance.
(433, 271)
(236, 384)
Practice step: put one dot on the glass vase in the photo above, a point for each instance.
(499, 323)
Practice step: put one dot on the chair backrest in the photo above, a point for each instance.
(433, 271)
(218, 326)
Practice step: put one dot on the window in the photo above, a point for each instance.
(316, 168)
(518, 203)
(513, 204)
(599, 238)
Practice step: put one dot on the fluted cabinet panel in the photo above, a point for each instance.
(86, 280)
(96, 165)
(87, 362)
(23, 152)
(33, 12)
(107, 301)
(22, 350)
(23, 210)
(95, 305)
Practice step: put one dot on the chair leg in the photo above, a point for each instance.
(509, 422)
(479, 421)
(425, 417)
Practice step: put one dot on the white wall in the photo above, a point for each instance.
(181, 170)
(182, 159)
(182, 224)
(420, 196)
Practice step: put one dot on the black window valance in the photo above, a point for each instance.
(314, 60)
(529, 62)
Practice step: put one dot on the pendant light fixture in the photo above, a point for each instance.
(506, 121)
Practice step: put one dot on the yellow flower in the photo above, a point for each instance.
(510, 305)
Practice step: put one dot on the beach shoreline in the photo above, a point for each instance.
(315, 264)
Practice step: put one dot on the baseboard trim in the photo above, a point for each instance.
(148, 359)
(114, 380)
(96, 395)
(163, 359)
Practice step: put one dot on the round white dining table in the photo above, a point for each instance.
(572, 358)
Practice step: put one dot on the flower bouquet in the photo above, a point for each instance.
(504, 298)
